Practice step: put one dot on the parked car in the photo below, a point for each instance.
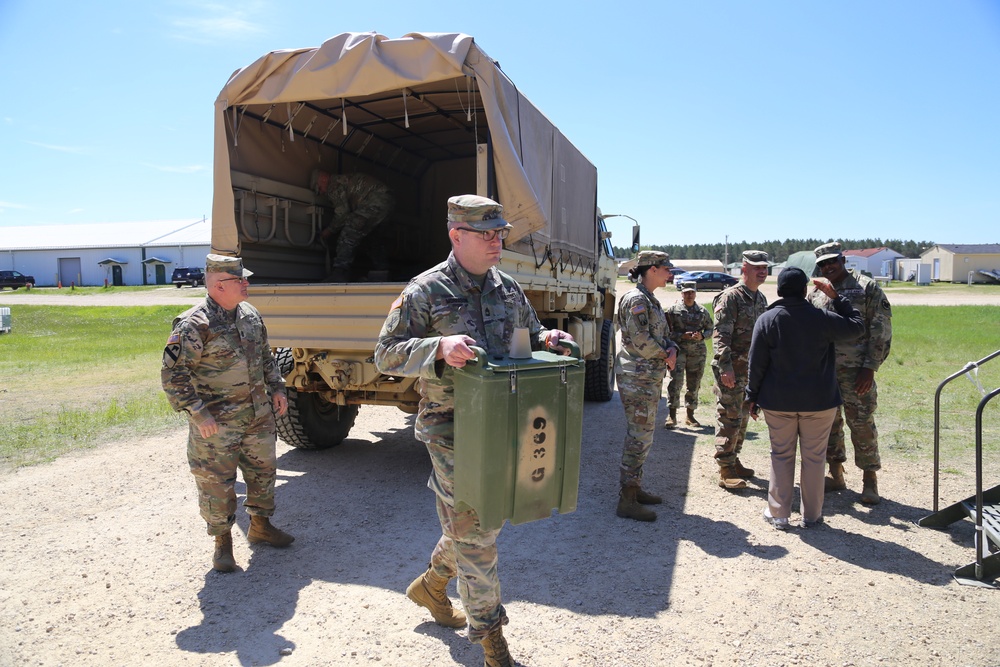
(709, 280)
(15, 279)
(687, 275)
(190, 275)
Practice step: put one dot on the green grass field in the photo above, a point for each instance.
(74, 377)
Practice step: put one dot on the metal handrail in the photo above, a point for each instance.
(972, 365)
(981, 537)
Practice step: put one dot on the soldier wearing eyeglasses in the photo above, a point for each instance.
(218, 369)
(461, 302)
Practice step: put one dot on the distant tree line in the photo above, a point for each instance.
(777, 250)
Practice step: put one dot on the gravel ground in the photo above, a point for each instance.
(107, 563)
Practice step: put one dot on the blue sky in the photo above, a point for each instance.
(756, 120)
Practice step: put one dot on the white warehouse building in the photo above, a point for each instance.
(121, 253)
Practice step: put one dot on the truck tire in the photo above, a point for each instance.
(311, 422)
(599, 382)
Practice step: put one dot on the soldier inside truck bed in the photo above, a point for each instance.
(360, 203)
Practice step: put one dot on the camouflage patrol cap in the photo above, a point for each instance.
(827, 251)
(652, 258)
(477, 212)
(689, 286)
(755, 257)
(223, 264)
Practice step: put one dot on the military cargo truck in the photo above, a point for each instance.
(430, 116)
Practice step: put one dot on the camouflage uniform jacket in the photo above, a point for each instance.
(352, 193)
(218, 364)
(682, 319)
(872, 348)
(736, 311)
(446, 301)
(645, 333)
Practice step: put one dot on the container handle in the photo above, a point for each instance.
(480, 356)
(574, 348)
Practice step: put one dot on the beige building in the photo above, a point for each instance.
(963, 263)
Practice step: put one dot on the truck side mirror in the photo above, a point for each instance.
(635, 239)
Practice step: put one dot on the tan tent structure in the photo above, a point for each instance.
(430, 114)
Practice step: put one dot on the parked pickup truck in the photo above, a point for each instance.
(192, 276)
(15, 279)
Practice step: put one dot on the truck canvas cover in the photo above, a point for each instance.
(421, 111)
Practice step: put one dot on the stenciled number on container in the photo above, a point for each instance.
(537, 446)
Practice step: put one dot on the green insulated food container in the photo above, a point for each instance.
(518, 426)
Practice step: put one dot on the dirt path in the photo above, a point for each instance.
(106, 563)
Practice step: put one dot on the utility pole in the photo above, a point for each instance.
(725, 261)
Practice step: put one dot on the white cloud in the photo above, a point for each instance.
(79, 150)
(190, 169)
(214, 21)
(8, 204)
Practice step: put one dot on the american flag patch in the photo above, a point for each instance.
(638, 308)
(397, 303)
(174, 338)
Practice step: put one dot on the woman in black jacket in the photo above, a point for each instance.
(793, 378)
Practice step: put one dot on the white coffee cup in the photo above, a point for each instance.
(520, 344)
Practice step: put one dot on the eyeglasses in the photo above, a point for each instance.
(224, 280)
(489, 234)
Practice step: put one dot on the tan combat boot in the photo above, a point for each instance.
(261, 530)
(728, 479)
(495, 649)
(629, 507)
(835, 482)
(222, 559)
(671, 421)
(742, 471)
(691, 421)
(869, 496)
(645, 498)
(429, 591)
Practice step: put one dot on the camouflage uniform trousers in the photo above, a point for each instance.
(690, 365)
(214, 461)
(466, 550)
(859, 413)
(356, 227)
(640, 395)
(730, 418)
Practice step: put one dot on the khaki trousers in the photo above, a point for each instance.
(811, 430)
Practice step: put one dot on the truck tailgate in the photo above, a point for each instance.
(325, 316)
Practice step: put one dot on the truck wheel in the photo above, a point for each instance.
(599, 383)
(311, 422)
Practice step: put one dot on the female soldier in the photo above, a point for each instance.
(646, 354)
